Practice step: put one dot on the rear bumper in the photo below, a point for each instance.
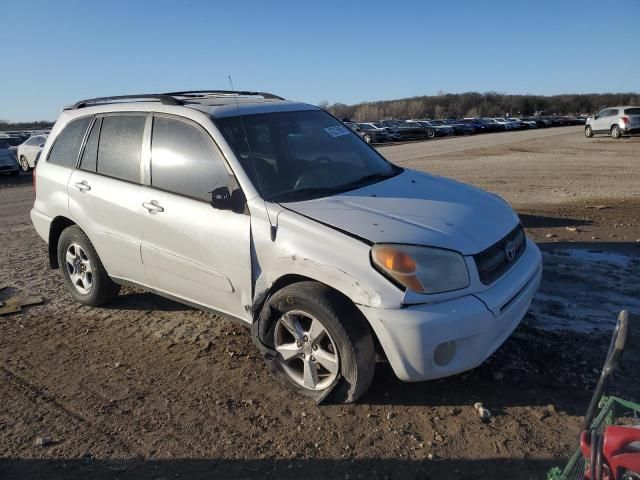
(475, 324)
(631, 130)
(42, 224)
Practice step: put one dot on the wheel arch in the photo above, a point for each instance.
(286, 280)
(58, 225)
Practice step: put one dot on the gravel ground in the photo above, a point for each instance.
(149, 388)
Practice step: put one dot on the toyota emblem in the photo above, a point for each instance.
(510, 250)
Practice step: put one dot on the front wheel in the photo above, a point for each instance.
(431, 133)
(322, 342)
(615, 132)
(588, 132)
(83, 272)
(367, 138)
(24, 164)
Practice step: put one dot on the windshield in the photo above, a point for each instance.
(292, 156)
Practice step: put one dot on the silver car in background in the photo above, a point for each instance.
(614, 121)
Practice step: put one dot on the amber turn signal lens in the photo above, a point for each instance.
(393, 260)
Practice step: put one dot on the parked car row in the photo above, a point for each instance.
(20, 150)
(398, 130)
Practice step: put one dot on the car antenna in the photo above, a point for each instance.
(272, 228)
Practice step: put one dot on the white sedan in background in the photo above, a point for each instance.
(29, 150)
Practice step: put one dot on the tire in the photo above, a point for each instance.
(24, 164)
(615, 132)
(588, 132)
(345, 329)
(367, 138)
(93, 290)
(431, 133)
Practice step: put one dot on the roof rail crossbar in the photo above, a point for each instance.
(203, 93)
(163, 98)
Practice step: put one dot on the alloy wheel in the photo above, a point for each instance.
(24, 164)
(79, 268)
(308, 353)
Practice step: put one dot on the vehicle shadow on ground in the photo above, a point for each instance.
(543, 221)
(11, 181)
(137, 300)
(123, 469)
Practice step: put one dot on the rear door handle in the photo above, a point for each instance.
(83, 186)
(153, 206)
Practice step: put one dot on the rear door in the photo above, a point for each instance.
(104, 192)
(189, 249)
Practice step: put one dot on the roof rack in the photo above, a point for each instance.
(167, 99)
(205, 93)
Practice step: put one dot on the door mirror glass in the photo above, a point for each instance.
(223, 199)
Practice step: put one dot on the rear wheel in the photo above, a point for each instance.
(320, 337)
(367, 138)
(83, 272)
(431, 133)
(616, 132)
(588, 132)
(24, 164)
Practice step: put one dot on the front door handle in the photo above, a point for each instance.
(83, 186)
(153, 206)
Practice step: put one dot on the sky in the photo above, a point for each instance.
(58, 52)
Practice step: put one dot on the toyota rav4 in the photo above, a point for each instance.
(274, 213)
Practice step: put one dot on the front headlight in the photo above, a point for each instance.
(422, 269)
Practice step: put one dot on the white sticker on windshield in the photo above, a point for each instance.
(337, 131)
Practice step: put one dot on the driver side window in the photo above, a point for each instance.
(186, 161)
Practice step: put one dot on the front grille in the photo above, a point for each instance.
(492, 263)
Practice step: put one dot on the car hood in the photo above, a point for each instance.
(416, 208)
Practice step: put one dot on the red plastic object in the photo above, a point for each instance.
(620, 452)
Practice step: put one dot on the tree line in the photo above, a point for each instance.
(39, 125)
(476, 104)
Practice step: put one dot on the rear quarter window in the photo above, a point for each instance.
(67, 145)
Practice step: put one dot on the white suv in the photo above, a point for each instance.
(276, 214)
(616, 121)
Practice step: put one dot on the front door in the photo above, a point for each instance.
(189, 249)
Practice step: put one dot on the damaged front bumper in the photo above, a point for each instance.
(428, 341)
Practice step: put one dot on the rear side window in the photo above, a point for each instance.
(120, 146)
(89, 159)
(67, 145)
(632, 111)
(185, 160)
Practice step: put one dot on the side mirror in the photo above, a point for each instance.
(223, 199)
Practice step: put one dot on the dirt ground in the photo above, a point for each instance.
(149, 388)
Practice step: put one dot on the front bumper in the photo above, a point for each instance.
(477, 324)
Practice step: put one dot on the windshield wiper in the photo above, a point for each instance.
(367, 179)
(290, 195)
(323, 191)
